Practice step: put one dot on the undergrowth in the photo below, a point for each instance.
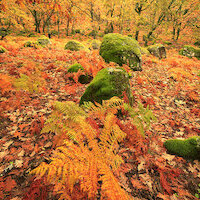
(87, 148)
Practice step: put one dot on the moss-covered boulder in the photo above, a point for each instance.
(95, 44)
(83, 78)
(144, 51)
(43, 41)
(157, 50)
(188, 148)
(74, 45)
(121, 50)
(190, 51)
(107, 83)
(31, 44)
(2, 49)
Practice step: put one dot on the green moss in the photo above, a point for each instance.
(31, 35)
(75, 67)
(75, 46)
(168, 42)
(157, 50)
(197, 43)
(2, 49)
(188, 148)
(190, 51)
(93, 33)
(107, 83)
(95, 44)
(31, 44)
(144, 51)
(83, 79)
(43, 40)
(4, 32)
(121, 50)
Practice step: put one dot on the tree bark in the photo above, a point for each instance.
(137, 34)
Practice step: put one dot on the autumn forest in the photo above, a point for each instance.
(99, 100)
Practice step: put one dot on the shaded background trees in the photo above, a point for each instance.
(143, 19)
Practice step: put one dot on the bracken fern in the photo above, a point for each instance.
(85, 157)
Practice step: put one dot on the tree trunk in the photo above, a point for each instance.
(37, 21)
(67, 31)
(137, 35)
(58, 26)
(178, 33)
(173, 33)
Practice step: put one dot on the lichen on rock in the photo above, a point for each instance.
(43, 40)
(74, 45)
(188, 148)
(107, 83)
(157, 50)
(121, 50)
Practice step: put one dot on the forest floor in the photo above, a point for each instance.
(169, 86)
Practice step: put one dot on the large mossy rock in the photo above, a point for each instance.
(121, 50)
(157, 50)
(107, 83)
(83, 78)
(188, 148)
(190, 51)
(74, 45)
(43, 41)
(2, 49)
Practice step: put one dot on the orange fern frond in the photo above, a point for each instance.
(5, 83)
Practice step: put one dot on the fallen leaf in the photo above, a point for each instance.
(48, 144)
(168, 156)
(7, 144)
(21, 153)
(162, 196)
(18, 163)
(3, 154)
(137, 184)
(9, 184)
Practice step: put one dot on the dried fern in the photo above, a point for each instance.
(141, 116)
(84, 157)
(32, 83)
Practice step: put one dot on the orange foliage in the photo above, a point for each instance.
(5, 83)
